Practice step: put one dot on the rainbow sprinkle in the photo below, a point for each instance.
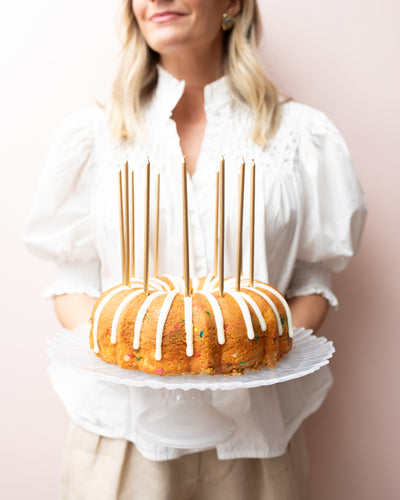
(160, 371)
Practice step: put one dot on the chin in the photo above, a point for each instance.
(168, 44)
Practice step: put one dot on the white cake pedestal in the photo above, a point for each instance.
(187, 419)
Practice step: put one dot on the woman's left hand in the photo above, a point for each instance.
(308, 311)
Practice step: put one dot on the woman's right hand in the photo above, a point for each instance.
(73, 309)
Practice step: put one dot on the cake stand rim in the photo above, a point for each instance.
(133, 378)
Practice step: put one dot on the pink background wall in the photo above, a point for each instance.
(341, 57)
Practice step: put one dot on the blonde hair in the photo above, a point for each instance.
(137, 76)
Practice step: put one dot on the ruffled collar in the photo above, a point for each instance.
(169, 90)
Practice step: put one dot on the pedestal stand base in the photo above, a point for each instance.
(186, 420)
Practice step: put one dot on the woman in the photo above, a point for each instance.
(190, 82)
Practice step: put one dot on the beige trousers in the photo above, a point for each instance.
(100, 468)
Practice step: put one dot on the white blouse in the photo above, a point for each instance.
(310, 212)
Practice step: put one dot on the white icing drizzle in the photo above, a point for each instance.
(99, 310)
(136, 281)
(160, 284)
(245, 311)
(207, 281)
(188, 325)
(230, 281)
(283, 302)
(257, 311)
(159, 288)
(195, 284)
(161, 321)
(213, 284)
(140, 317)
(219, 319)
(118, 313)
(177, 283)
(271, 304)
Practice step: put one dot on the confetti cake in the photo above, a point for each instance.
(165, 332)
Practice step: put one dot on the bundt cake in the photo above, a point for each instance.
(167, 333)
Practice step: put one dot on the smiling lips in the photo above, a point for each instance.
(163, 17)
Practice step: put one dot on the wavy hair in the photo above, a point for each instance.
(137, 76)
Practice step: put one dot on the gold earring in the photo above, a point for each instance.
(227, 22)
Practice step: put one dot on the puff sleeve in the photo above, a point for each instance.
(333, 208)
(58, 227)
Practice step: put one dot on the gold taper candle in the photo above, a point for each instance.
(121, 227)
(216, 225)
(157, 225)
(146, 229)
(132, 219)
(186, 271)
(240, 226)
(221, 246)
(127, 238)
(252, 210)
